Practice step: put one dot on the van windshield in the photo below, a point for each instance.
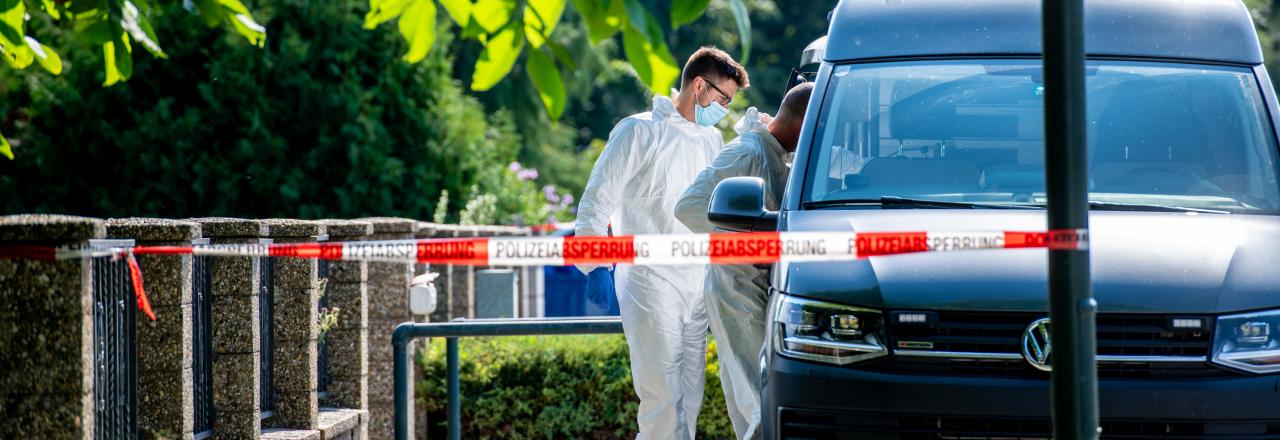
(1160, 135)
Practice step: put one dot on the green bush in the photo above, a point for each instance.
(549, 387)
(326, 120)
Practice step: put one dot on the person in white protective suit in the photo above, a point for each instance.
(649, 160)
(737, 295)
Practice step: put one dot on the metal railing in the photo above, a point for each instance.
(202, 342)
(409, 331)
(266, 317)
(115, 346)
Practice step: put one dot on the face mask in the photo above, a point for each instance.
(709, 115)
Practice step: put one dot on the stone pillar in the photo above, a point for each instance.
(46, 331)
(165, 370)
(348, 343)
(236, 331)
(296, 302)
(388, 293)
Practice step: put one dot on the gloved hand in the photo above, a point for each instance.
(600, 287)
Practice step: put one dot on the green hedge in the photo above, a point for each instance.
(549, 387)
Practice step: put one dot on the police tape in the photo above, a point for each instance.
(63, 253)
(647, 250)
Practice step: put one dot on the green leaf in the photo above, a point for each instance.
(744, 28)
(243, 23)
(493, 15)
(234, 6)
(602, 20)
(686, 11)
(653, 63)
(500, 54)
(53, 8)
(381, 11)
(540, 18)
(12, 28)
(249, 29)
(46, 56)
(150, 32)
(22, 57)
(119, 62)
(459, 10)
(94, 32)
(5, 149)
(210, 11)
(81, 7)
(637, 14)
(237, 15)
(418, 26)
(562, 55)
(109, 59)
(135, 23)
(124, 57)
(546, 78)
(473, 31)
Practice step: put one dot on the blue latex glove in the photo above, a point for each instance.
(600, 287)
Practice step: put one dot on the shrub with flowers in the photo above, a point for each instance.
(515, 198)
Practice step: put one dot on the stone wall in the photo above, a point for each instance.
(46, 325)
(388, 294)
(46, 331)
(296, 302)
(348, 342)
(237, 338)
(165, 393)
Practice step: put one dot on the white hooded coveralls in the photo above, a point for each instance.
(648, 162)
(737, 295)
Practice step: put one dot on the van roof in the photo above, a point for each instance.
(1205, 30)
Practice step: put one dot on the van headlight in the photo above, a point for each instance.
(1249, 342)
(825, 332)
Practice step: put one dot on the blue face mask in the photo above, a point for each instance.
(709, 115)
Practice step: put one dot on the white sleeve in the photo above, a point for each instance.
(750, 121)
(601, 197)
(737, 159)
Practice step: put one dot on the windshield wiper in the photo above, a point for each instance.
(901, 202)
(1118, 206)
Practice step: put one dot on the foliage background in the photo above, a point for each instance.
(327, 121)
(549, 387)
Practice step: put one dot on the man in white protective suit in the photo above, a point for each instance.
(648, 162)
(737, 295)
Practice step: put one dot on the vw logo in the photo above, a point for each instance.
(1037, 345)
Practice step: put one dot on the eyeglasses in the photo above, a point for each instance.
(726, 99)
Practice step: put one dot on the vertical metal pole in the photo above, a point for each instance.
(400, 360)
(455, 400)
(1074, 383)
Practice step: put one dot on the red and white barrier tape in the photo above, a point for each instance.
(724, 248)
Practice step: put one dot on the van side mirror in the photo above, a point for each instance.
(737, 204)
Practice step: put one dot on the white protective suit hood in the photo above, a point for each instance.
(648, 162)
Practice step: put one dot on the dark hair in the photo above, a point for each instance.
(795, 103)
(714, 64)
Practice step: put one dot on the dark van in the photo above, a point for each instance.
(928, 115)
